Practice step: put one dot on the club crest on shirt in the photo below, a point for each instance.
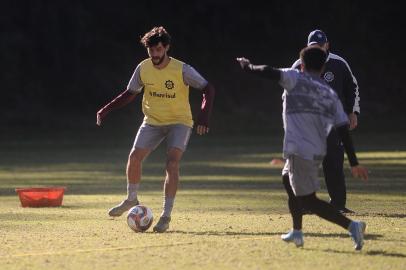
(329, 76)
(169, 84)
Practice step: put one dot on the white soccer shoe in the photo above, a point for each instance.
(294, 236)
(357, 229)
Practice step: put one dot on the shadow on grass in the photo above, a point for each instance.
(369, 253)
(343, 235)
(387, 215)
(385, 253)
(222, 233)
(94, 187)
(41, 217)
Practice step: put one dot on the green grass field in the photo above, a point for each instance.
(229, 213)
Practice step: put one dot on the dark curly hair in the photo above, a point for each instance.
(156, 35)
(313, 57)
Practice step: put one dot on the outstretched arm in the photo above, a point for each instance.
(261, 70)
(120, 101)
(205, 109)
(356, 169)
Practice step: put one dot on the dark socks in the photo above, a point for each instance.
(294, 204)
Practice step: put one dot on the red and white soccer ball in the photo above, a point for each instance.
(139, 218)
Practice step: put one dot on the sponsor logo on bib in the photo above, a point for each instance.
(169, 84)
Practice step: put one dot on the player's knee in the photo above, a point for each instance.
(286, 184)
(172, 165)
(308, 201)
(134, 158)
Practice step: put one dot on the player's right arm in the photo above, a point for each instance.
(261, 70)
(120, 101)
(286, 77)
(134, 87)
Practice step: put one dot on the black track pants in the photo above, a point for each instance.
(333, 171)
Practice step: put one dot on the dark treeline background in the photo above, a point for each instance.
(65, 59)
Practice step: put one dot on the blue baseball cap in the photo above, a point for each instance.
(317, 37)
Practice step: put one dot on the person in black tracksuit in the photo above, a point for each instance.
(338, 75)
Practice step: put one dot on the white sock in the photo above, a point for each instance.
(168, 205)
(132, 191)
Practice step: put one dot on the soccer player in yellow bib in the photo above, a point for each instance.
(165, 82)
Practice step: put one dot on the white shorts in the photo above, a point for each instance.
(149, 136)
(303, 175)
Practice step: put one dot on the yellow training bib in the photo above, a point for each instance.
(166, 97)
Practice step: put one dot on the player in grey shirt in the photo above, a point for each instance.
(338, 75)
(310, 110)
(307, 99)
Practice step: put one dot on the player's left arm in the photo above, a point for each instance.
(205, 109)
(193, 78)
(351, 94)
(342, 126)
(356, 169)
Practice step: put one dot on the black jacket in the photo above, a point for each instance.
(338, 75)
